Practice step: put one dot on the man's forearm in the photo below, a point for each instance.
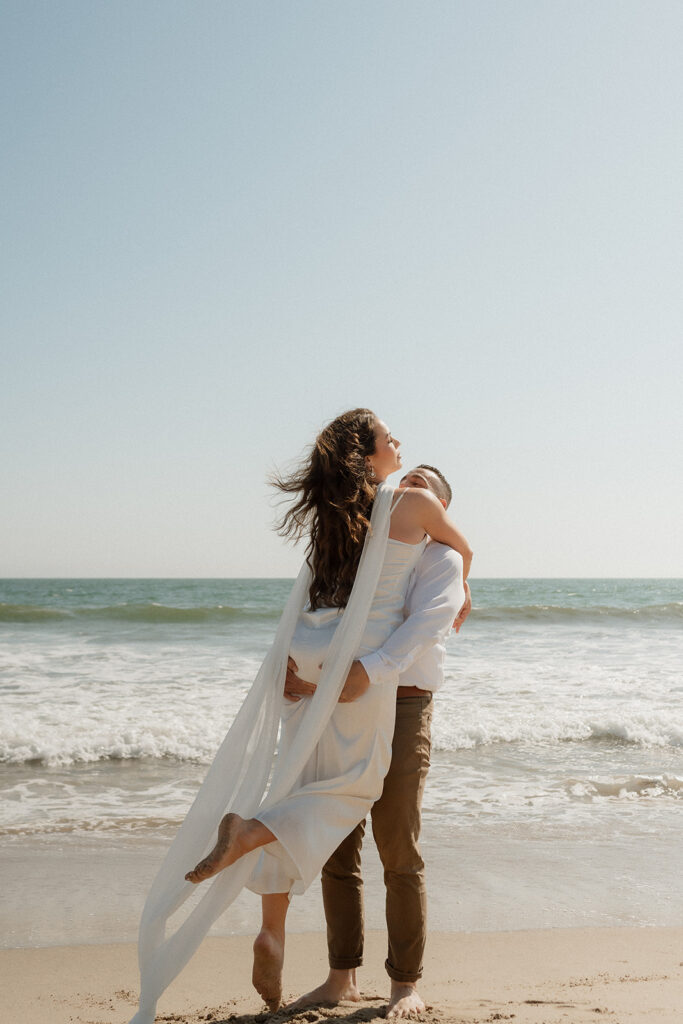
(435, 603)
(385, 664)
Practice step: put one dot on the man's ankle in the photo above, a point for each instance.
(397, 986)
(342, 981)
(343, 975)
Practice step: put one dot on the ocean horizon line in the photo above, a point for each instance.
(483, 579)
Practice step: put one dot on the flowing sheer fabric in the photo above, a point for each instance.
(238, 778)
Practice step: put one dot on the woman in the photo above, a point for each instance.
(332, 757)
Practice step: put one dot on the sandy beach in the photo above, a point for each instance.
(563, 976)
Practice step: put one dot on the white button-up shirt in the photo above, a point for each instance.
(415, 651)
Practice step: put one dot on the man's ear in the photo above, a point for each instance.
(444, 503)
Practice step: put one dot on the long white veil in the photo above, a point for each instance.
(238, 778)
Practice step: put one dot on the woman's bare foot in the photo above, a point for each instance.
(228, 849)
(340, 985)
(266, 976)
(404, 1001)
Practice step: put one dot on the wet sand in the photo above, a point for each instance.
(72, 890)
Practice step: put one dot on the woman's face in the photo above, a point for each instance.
(386, 458)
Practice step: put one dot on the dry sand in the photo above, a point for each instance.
(562, 976)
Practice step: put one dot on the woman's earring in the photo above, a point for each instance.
(371, 471)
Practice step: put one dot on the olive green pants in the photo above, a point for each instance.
(396, 819)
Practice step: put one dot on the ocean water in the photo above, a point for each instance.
(556, 787)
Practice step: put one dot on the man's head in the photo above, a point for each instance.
(431, 479)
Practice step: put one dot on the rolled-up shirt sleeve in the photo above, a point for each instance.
(433, 601)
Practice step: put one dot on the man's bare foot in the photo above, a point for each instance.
(266, 976)
(404, 1001)
(340, 985)
(227, 850)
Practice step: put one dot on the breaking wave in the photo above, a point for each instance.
(144, 612)
(655, 613)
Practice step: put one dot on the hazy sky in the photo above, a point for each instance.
(226, 222)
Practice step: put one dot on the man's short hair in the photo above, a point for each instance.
(443, 488)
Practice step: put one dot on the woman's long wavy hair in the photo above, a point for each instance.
(335, 495)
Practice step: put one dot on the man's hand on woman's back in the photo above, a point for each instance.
(356, 684)
(296, 688)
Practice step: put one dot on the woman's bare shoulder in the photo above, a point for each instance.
(414, 509)
(416, 498)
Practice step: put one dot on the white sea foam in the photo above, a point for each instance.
(632, 788)
(72, 701)
(481, 727)
(77, 733)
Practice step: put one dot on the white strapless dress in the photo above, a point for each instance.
(345, 774)
(328, 771)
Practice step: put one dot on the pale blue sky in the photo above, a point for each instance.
(224, 223)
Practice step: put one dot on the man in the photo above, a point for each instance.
(414, 653)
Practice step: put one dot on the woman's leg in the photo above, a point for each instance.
(236, 836)
(269, 949)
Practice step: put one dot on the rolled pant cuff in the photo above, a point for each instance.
(345, 963)
(402, 977)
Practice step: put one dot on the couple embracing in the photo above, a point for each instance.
(358, 653)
